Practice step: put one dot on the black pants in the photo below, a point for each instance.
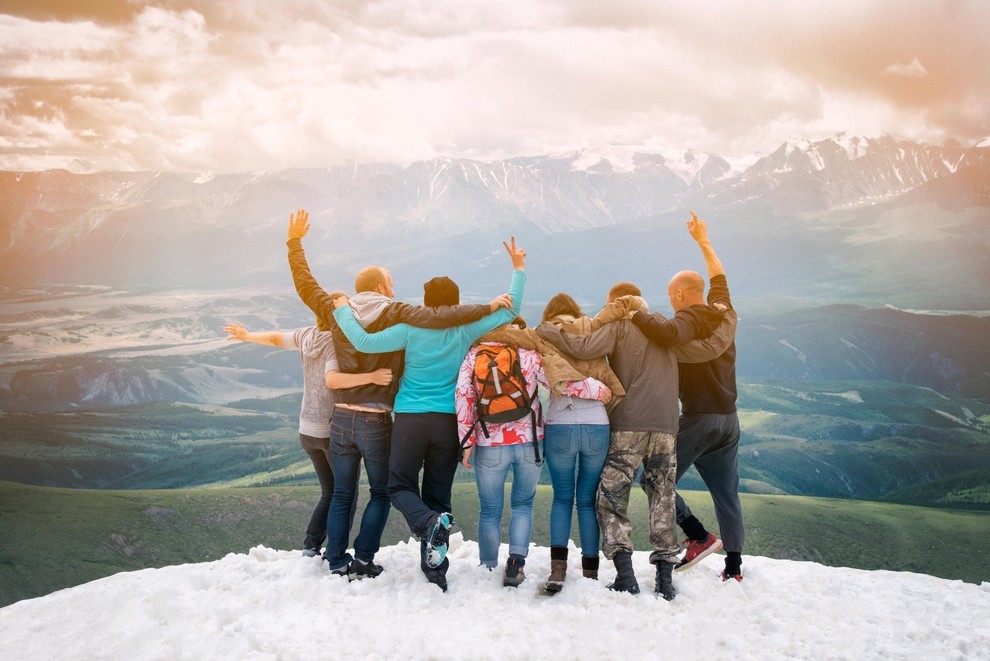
(424, 442)
(318, 450)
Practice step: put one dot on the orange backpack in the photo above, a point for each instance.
(502, 394)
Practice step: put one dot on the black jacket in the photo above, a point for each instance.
(352, 361)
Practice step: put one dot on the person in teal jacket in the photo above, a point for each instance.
(424, 434)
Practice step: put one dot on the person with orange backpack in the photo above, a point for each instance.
(500, 422)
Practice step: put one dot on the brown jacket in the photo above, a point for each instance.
(561, 368)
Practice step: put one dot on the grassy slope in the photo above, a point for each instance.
(56, 538)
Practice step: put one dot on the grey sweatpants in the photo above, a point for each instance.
(626, 450)
(710, 442)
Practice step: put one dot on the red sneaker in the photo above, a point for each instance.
(726, 577)
(696, 551)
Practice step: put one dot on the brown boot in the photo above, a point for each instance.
(558, 570)
(589, 567)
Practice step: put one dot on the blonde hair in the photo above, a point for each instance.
(369, 278)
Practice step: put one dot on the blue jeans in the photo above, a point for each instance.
(491, 467)
(355, 435)
(588, 446)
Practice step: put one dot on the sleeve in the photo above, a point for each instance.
(718, 291)
(590, 388)
(597, 344)
(293, 339)
(390, 339)
(466, 397)
(710, 348)
(665, 332)
(330, 356)
(443, 316)
(309, 290)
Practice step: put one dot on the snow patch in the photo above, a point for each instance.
(269, 603)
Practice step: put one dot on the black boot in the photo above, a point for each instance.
(665, 580)
(514, 574)
(625, 577)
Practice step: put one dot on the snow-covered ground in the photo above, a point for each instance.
(269, 604)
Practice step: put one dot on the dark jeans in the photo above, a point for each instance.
(355, 435)
(424, 442)
(318, 450)
(710, 442)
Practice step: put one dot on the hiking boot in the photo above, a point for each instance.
(341, 571)
(514, 574)
(358, 570)
(697, 551)
(437, 536)
(726, 576)
(625, 577)
(665, 582)
(589, 567)
(558, 570)
(310, 553)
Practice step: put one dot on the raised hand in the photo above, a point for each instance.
(501, 301)
(696, 228)
(298, 224)
(518, 255)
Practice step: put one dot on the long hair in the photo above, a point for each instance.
(561, 304)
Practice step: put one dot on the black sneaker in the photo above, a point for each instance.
(665, 582)
(437, 575)
(437, 536)
(358, 570)
(341, 571)
(310, 553)
(514, 574)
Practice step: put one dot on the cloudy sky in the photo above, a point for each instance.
(240, 85)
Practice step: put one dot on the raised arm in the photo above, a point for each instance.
(699, 232)
(241, 334)
(516, 291)
(312, 294)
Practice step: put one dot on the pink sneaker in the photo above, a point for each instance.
(696, 551)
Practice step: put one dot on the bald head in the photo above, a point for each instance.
(686, 288)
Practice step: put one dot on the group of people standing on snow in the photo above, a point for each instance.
(414, 390)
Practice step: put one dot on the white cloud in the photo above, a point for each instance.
(236, 86)
(913, 70)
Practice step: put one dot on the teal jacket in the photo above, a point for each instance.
(433, 356)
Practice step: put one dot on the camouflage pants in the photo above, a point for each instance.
(626, 450)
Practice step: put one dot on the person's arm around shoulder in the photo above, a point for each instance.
(710, 348)
(242, 334)
(392, 338)
(337, 380)
(441, 316)
(599, 343)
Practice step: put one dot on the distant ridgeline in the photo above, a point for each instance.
(114, 373)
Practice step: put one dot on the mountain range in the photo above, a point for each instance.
(848, 219)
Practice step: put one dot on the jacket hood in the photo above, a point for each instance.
(316, 343)
(368, 306)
